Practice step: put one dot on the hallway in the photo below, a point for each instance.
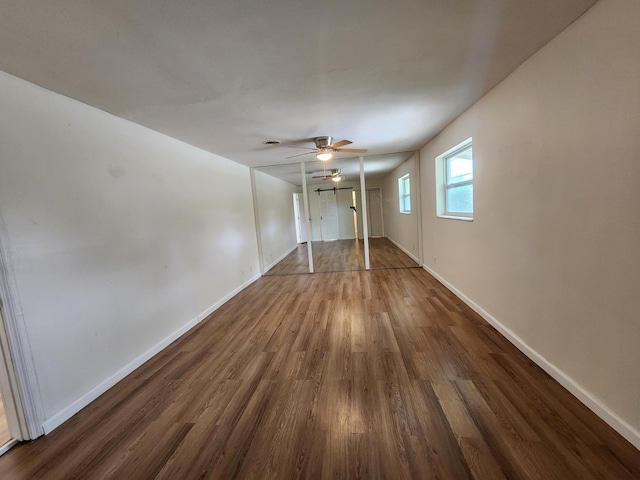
(380, 374)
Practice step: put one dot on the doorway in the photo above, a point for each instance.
(5, 436)
(8, 413)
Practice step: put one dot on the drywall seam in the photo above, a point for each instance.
(413, 257)
(577, 390)
(272, 264)
(66, 413)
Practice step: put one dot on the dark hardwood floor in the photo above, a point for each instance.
(343, 255)
(380, 374)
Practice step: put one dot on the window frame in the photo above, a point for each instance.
(444, 185)
(402, 196)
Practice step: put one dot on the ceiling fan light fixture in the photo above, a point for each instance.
(336, 179)
(323, 155)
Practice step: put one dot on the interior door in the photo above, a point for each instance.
(328, 215)
(374, 212)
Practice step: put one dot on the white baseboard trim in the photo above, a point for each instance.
(8, 446)
(577, 390)
(413, 257)
(204, 314)
(281, 257)
(66, 413)
(63, 415)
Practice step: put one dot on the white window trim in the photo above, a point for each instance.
(402, 195)
(441, 184)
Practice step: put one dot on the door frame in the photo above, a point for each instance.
(24, 410)
(7, 391)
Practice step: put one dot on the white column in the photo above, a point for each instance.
(307, 218)
(418, 189)
(365, 224)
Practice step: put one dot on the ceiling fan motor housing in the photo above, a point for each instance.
(323, 142)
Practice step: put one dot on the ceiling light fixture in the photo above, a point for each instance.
(324, 154)
(336, 179)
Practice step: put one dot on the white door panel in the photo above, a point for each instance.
(328, 215)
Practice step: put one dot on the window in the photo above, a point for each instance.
(404, 194)
(454, 174)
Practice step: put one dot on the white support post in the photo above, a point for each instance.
(365, 224)
(306, 215)
(418, 190)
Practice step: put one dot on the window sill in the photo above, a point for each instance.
(454, 217)
(405, 213)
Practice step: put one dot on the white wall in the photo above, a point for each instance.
(553, 252)
(118, 237)
(401, 228)
(277, 221)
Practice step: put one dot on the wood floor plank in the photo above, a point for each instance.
(245, 427)
(436, 434)
(198, 453)
(284, 430)
(364, 461)
(379, 374)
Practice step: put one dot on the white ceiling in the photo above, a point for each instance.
(226, 75)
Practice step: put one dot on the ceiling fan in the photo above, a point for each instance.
(332, 174)
(325, 149)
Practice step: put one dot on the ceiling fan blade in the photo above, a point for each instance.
(352, 150)
(295, 146)
(341, 143)
(300, 154)
(320, 176)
